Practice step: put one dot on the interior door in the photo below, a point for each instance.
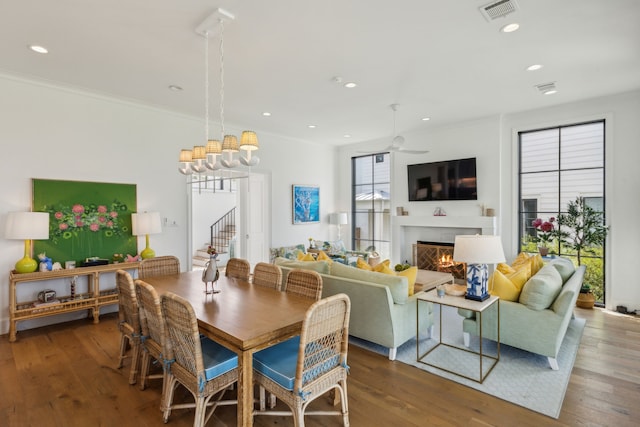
(256, 218)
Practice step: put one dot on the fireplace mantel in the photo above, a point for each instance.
(487, 224)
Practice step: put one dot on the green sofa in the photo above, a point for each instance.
(538, 321)
(382, 311)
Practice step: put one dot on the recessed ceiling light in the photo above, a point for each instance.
(38, 49)
(510, 28)
(550, 92)
(266, 114)
(350, 85)
(346, 135)
(426, 119)
(311, 126)
(175, 88)
(534, 67)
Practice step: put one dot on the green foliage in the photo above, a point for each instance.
(581, 228)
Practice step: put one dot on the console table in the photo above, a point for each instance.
(91, 300)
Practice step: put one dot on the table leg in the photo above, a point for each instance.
(245, 389)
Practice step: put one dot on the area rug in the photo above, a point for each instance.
(520, 377)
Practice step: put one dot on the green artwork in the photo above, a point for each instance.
(86, 219)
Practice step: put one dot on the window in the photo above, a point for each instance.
(371, 199)
(558, 165)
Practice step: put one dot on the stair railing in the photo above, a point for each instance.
(226, 223)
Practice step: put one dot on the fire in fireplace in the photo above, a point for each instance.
(437, 256)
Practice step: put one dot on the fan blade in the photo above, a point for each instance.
(389, 148)
(404, 150)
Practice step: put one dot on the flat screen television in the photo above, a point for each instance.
(446, 180)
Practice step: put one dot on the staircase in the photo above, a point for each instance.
(222, 237)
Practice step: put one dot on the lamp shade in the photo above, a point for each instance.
(339, 218)
(27, 226)
(214, 147)
(145, 223)
(186, 156)
(230, 144)
(478, 249)
(249, 141)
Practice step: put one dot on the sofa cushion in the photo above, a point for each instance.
(289, 252)
(507, 286)
(305, 257)
(565, 267)
(322, 256)
(319, 266)
(398, 286)
(542, 289)
(411, 274)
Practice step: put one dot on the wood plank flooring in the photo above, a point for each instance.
(65, 375)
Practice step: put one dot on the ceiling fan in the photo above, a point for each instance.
(398, 140)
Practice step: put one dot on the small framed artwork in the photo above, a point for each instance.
(306, 204)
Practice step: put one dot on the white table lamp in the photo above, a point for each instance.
(143, 224)
(27, 226)
(478, 251)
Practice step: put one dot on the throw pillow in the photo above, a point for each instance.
(565, 267)
(507, 287)
(305, 257)
(397, 285)
(322, 256)
(505, 268)
(319, 266)
(382, 265)
(542, 289)
(361, 263)
(522, 258)
(384, 268)
(536, 263)
(411, 274)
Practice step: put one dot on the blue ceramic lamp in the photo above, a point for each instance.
(478, 251)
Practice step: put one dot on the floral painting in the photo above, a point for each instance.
(86, 219)
(306, 204)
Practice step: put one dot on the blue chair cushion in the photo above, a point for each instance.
(279, 362)
(217, 359)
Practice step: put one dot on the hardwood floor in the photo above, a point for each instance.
(65, 375)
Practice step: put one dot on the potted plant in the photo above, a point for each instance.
(582, 229)
(544, 234)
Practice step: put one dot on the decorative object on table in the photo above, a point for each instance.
(144, 224)
(27, 226)
(440, 289)
(46, 264)
(86, 219)
(478, 251)
(455, 289)
(47, 295)
(339, 219)
(93, 261)
(306, 204)
(545, 231)
(56, 266)
(399, 210)
(132, 258)
(204, 158)
(312, 243)
(490, 212)
(211, 272)
(439, 212)
(72, 292)
(69, 265)
(117, 258)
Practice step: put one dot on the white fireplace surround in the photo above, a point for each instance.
(408, 229)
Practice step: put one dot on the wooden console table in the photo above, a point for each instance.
(91, 300)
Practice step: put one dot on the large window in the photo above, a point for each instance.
(558, 165)
(370, 203)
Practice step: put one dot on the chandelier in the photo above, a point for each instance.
(216, 155)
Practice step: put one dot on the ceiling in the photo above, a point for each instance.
(437, 59)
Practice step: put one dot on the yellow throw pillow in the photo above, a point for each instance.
(508, 287)
(522, 258)
(381, 266)
(536, 263)
(361, 263)
(306, 257)
(505, 268)
(410, 273)
(384, 268)
(322, 256)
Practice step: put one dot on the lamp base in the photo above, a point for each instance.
(147, 253)
(26, 265)
(477, 297)
(477, 275)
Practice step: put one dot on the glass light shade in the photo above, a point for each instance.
(230, 144)
(214, 147)
(27, 226)
(185, 156)
(249, 141)
(145, 223)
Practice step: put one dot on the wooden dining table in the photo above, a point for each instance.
(242, 317)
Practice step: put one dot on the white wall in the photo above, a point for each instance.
(57, 133)
(493, 141)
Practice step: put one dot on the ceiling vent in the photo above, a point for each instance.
(498, 9)
(547, 88)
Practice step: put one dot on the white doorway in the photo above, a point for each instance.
(255, 218)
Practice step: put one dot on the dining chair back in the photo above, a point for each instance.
(158, 266)
(305, 283)
(238, 268)
(202, 366)
(299, 370)
(129, 322)
(268, 275)
(153, 341)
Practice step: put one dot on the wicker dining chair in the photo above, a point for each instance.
(153, 341)
(129, 322)
(299, 370)
(305, 283)
(202, 366)
(158, 266)
(267, 275)
(238, 268)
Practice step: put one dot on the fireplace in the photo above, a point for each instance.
(438, 256)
